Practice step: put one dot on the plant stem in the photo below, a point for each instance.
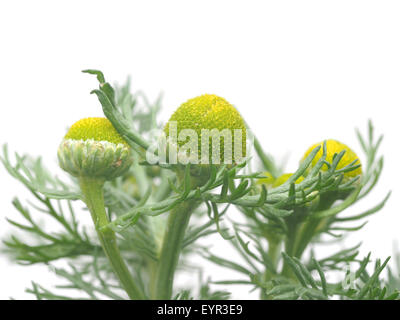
(290, 243)
(302, 232)
(309, 228)
(306, 233)
(177, 223)
(274, 249)
(92, 190)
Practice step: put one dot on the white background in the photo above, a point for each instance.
(298, 71)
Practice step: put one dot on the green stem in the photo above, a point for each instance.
(92, 190)
(274, 249)
(177, 223)
(302, 232)
(290, 244)
(306, 233)
(311, 227)
(274, 252)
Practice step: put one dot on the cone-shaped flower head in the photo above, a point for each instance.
(210, 118)
(93, 148)
(332, 147)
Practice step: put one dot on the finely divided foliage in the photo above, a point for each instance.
(276, 238)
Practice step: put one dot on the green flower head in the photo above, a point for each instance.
(206, 114)
(93, 148)
(268, 180)
(335, 147)
(283, 178)
(98, 129)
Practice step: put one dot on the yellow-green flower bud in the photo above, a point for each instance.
(93, 148)
(210, 119)
(267, 181)
(283, 178)
(332, 147)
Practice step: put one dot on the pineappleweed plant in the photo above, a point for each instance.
(154, 197)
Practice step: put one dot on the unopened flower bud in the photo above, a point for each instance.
(335, 147)
(93, 148)
(283, 178)
(208, 121)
